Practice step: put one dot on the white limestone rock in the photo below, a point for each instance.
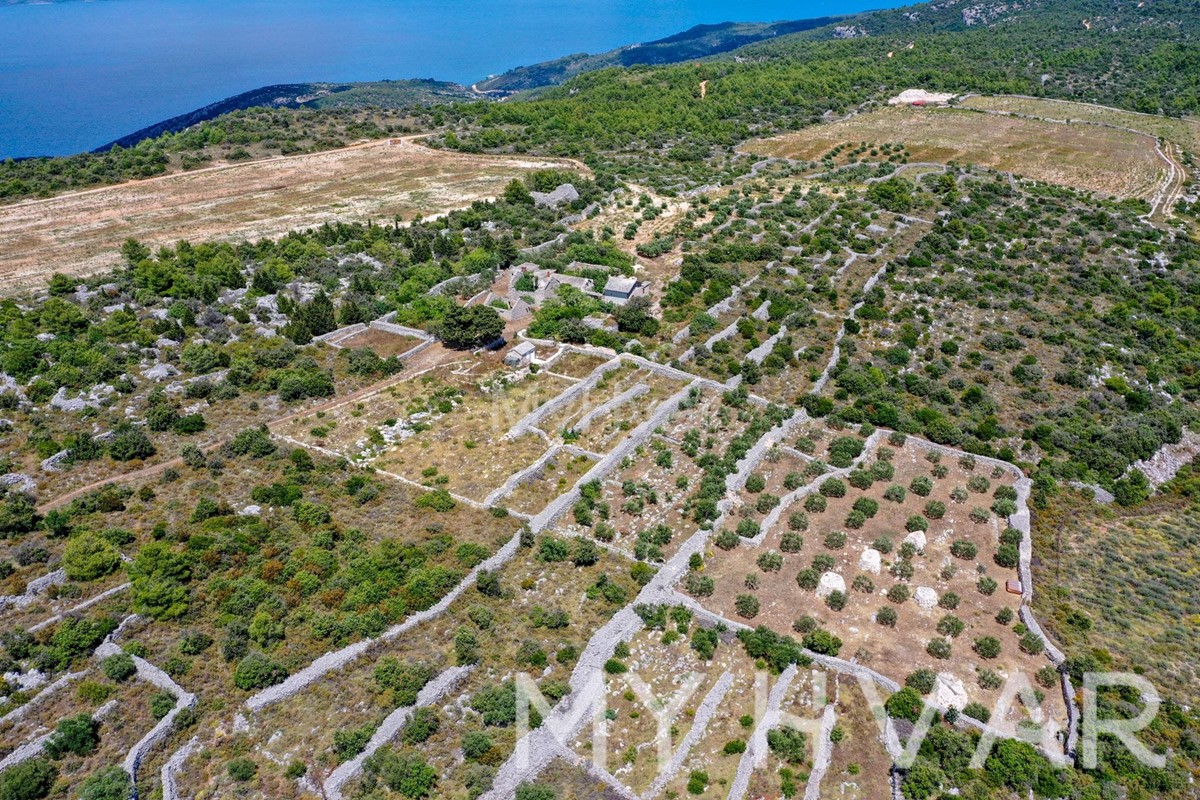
(949, 692)
(870, 561)
(830, 582)
(926, 597)
(918, 540)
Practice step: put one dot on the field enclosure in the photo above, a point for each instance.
(1101, 159)
(80, 233)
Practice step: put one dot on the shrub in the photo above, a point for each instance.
(770, 561)
(791, 542)
(107, 783)
(808, 579)
(788, 744)
(349, 742)
(978, 484)
(916, 523)
(798, 521)
(902, 569)
(989, 680)
(727, 539)
(935, 509)
(978, 711)
(406, 773)
(79, 735)
(423, 724)
(243, 769)
(1047, 677)
(843, 450)
(755, 483)
(860, 479)
(938, 648)
(748, 529)
(921, 485)
(765, 503)
(88, 557)
(823, 562)
(836, 600)
(835, 540)
(1032, 644)
(823, 642)
(1004, 616)
(832, 487)
(864, 584)
(193, 643)
(963, 549)
(119, 667)
(883, 544)
(699, 585)
(1011, 536)
(886, 616)
(615, 667)
(697, 782)
(815, 503)
(882, 470)
(161, 704)
(898, 593)
(895, 493)
(958, 494)
(921, 680)
(866, 506)
(950, 626)
(29, 780)
(1004, 508)
(746, 605)
(804, 624)
(905, 704)
(734, 746)
(1007, 556)
(987, 647)
(980, 515)
(949, 601)
(256, 671)
(436, 500)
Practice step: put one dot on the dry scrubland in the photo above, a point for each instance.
(81, 232)
(1106, 160)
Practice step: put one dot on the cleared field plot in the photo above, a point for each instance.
(920, 538)
(512, 636)
(542, 485)
(575, 365)
(441, 424)
(664, 667)
(384, 343)
(1181, 131)
(1105, 160)
(80, 233)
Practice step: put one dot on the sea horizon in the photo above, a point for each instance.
(77, 75)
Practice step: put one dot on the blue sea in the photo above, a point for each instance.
(77, 74)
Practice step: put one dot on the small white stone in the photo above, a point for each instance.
(830, 582)
(926, 597)
(870, 561)
(917, 538)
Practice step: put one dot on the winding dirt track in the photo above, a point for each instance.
(80, 232)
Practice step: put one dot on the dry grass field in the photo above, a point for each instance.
(1105, 160)
(81, 232)
(1185, 132)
